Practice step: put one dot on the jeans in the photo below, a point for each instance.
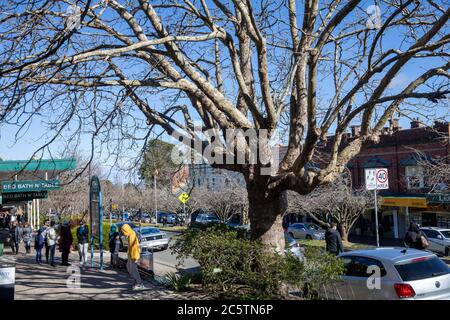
(83, 252)
(114, 260)
(47, 252)
(65, 257)
(14, 247)
(52, 254)
(27, 246)
(133, 271)
(39, 255)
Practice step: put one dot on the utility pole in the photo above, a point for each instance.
(156, 200)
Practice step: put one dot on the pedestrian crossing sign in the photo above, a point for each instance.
(183, 197)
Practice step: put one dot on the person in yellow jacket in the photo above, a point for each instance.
(134, 254)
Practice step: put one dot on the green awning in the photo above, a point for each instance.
(376, 163)
(415, 159)
(38, 165)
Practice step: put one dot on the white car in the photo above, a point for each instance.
(438, 239)
(403, 274)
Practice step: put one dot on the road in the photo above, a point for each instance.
(166, 261)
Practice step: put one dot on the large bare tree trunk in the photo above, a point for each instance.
(266, 216)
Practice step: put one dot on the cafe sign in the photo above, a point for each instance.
(30, 186)
(23, 196)
(438, 198)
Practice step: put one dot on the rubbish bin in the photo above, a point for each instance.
(7, 281)
(146, 261)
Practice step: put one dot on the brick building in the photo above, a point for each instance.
(402, 151)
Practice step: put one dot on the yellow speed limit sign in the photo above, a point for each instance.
(183, 197)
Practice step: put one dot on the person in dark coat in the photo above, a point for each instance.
(333, 240)
(39, 241)
(65, 244)
(16, 236)
(413, 237)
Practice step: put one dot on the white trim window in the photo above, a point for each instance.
(415, 177)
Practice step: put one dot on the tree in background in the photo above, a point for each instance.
(337, 201)
(157, 158)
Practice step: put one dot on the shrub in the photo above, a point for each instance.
(321, 269)
(236, 266)
(177, 282)
(105, 234)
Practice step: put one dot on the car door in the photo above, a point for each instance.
(434, 243)
(301, 231)
(357, 273)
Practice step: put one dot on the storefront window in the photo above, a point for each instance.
(415, 178)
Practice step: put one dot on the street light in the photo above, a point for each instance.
(155, 173)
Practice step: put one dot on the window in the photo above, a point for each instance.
(415, 178)
(358, 266)
(430, 233)
(422, 269)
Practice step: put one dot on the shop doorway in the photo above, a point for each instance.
(429, 219)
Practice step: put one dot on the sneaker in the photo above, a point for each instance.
(139, 287)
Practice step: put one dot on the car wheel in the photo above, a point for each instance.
(291, 234)
(164, 248)
(308, 237)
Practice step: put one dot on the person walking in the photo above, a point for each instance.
(39, 241)
(45, 228)
(65, 243)
(333, 240)
(114, 246)
(15, 235)
(51, 237)
(133, 256)
(415, 238)
(26, 236)
(83, 243)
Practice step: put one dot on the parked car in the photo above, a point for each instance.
(294, 247)
(404, 274)
(438, 239)
(203, 220)
(152, 238)
(171, 217)
(308, 231)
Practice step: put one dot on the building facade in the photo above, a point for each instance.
(403, 152)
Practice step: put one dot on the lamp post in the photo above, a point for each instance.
(155, 173)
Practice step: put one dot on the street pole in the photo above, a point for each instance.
(156, 203)
(376, 216)
(110, 212)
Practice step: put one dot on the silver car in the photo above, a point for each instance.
(152, 238)
(438, 239)
(392, 274)
(308, 231)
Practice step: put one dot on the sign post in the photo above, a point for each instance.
(377, 179)
(95, 197)
(184, 197)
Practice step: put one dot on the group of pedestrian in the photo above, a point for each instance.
(20, 232)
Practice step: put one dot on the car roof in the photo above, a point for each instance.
(435, 228)
(393, 254)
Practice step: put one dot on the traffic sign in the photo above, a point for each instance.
(377, 179)
(183, 197)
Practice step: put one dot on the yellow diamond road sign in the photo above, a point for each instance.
(184, 197)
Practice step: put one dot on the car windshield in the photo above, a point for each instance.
(211, 218)
(446, 233)
(313, 227)
(422, 269)
(150, 230)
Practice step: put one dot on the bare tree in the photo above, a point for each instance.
(337, 201)
(309, 69)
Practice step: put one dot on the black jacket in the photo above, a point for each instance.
(412, 237)
(333, 241)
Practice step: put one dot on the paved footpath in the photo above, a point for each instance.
(43, 282)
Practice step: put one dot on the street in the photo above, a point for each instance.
(166, 261)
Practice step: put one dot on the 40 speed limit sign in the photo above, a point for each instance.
(377, 179)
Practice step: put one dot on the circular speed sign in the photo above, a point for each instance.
(382, 176)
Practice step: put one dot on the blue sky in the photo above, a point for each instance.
(35, 135)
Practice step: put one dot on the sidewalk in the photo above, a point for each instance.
(43, 282)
